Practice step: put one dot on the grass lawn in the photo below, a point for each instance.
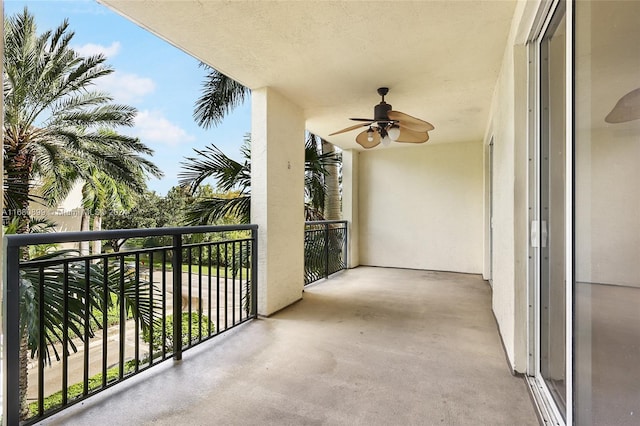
(195, 269)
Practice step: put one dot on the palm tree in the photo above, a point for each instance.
(54, 122)
(234, 181)
(101, 193)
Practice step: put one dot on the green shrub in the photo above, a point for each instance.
(199, 326)
(74, 391)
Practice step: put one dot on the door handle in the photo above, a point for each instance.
(535, 241)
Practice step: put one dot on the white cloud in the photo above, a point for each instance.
(124, 87)
(91, 49)
(152, 127)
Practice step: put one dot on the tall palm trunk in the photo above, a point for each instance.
(18, 166)
(332, 198)
(24, 370)
(84, 226)
(96, 247)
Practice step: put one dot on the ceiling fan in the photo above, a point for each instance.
(388, 125)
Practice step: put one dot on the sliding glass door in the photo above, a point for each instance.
(552, 162)
(549, 185)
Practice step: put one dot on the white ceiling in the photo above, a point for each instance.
(440, 59)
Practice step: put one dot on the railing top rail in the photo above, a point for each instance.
(20, 240)
(323, 222)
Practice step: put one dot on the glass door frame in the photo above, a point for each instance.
(541, 393)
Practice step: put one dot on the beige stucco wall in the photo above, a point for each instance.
(67, 216)
(503, 198)
(421, 207)
(508, 128)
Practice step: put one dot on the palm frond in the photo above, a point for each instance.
(210, 210)
(220, 94)
(211, 162)
(136, 299)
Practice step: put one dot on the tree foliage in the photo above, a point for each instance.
(234, 182)
(57, 127)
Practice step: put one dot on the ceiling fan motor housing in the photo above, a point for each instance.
(380, 111)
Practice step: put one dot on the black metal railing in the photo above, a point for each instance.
(92, 321)
(325, 249)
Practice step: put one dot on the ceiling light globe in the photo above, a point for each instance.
(386, 141)
(394, 133)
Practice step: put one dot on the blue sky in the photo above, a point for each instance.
(161, 81)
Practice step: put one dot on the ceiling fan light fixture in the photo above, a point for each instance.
(384, 137)
(370, 134)
(394, 132)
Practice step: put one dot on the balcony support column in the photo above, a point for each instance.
(277, 197)
(350, 203)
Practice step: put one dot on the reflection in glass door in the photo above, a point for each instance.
(551, 196)
(607, 213)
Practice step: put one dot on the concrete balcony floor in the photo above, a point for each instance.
(369, 346)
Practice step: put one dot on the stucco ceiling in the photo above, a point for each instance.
(440, 59)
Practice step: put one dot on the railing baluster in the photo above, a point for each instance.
(218, 288)
(123, 319)
(209, 292)
(226, 282)
(199, 293)
(65, 333)
(177, 297)
(233, 283)
(254, 273)
(152, 304)
(105, 306)
(189, 296)
(240, 284)
(345, 244)
(41, 351)
(326, 250)
(164, 303)
(137, 318)
(87, 326)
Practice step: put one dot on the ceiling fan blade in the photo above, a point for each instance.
(409, 122)
(363, 140)
(627, 108)
(409, 136)
(348, 129)
(363, 119)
